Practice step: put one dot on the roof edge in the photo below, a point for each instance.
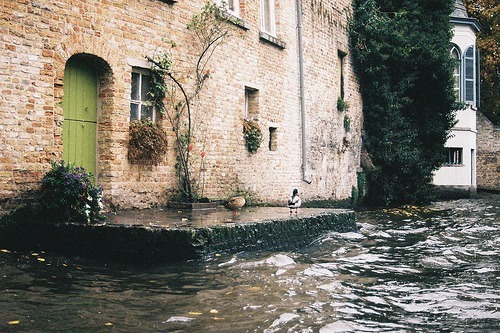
(467, 21)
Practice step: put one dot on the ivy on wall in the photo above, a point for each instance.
(401, 50)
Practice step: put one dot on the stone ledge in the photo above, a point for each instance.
(146, 243)
(271, 39)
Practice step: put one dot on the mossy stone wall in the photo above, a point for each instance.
(156, 244)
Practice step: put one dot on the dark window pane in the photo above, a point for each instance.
(454, 156)
(469, 69)
(135, 86)
(469, 90)
(146, 112)
(145, 87)
(134, 110)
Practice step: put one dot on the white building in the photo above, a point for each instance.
(458, 173)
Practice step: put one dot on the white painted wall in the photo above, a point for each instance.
(464, 133)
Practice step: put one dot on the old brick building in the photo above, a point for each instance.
(257, 74)
(488, 154)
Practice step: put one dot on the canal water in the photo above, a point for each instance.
(411, 269)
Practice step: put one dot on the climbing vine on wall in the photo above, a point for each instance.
(402, 53)
(178, 80)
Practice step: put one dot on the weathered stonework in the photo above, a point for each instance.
(37, 38)
(144, 242)
(488, 154)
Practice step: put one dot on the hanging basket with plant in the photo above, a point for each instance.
(252, 134)
(147, 142)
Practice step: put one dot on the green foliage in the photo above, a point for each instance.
(487, 12)
(354, 196)
(158, 90)
(210, 20)
(147, 142)
(67, 193)
(252, 134)
(358, 191)
(401, 51)
(342, 105)
(347, 123)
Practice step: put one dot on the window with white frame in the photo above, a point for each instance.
(455, 55)
(140, 102)
(232, 6)
(268, 21)
(469, 77)
(454, 156)
(464, 75)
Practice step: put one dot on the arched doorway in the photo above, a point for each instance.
(80, 113)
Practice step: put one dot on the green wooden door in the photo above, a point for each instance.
(80, 115)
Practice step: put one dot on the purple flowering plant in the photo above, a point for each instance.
(68, 192)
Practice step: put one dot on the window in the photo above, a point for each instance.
(455, 55)
(469, 75)
(340, 73)
(268, 22)
(454, 156)
(273, 138)
(464, 75)
(251, 103)
(232, 6)
(140, 104)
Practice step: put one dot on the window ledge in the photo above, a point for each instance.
(271, 39)
(239, 22)
(454, 165)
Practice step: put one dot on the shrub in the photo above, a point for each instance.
(67, 192)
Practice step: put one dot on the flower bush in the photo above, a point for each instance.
(252, 134)
(67, 192)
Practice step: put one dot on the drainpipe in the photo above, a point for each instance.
(302, 104)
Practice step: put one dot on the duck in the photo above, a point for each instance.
(235, 203)
(294, 202)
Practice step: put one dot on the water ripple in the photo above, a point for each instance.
(432, 272)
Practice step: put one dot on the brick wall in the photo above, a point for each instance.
(488, 154)
(38, 37)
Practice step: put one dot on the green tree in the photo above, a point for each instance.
(401, 52)
(487, 12)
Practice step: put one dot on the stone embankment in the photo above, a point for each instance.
(155, 236)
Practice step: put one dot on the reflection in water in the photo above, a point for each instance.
(432, 270)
